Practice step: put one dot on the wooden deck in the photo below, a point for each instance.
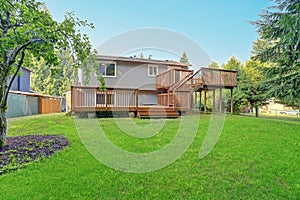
(174, 93)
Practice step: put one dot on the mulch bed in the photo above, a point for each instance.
(24, 149)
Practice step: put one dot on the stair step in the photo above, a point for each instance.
(157, 112)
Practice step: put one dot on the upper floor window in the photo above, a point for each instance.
(107, 69)
(152, 70)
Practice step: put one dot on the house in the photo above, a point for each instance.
(144, 86)
(22, 82)
(23, 102)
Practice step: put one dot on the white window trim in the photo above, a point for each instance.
(152, 66)
(115, 63)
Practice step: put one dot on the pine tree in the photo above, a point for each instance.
(184, 58)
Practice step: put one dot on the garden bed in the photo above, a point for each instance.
(21, 150)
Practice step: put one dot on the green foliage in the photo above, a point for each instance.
(184, 58)
(279, 43)
(253, 159)
(213, 65)
(233, 64)
(28, 29)
(250, 91)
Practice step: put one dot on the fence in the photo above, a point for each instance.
(22, 105)
(288, 115)
(49, 105)
(25, 103)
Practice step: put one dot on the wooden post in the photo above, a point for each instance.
(174, 106)
(136, 99)
(40, 99)
(200, 99)
(231, 100)
(106, 99)
(71, 100)
(220, 100)
(205, 100)
(195, 100)
(214, 100)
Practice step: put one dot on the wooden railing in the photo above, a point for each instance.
(170, 77)
(166, 99)
(218, 77)
(91, 98)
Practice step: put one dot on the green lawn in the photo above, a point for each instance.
(254, 159)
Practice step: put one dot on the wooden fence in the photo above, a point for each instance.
(49, 105)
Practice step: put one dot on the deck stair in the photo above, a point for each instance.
(157, 112)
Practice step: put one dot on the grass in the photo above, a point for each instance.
(253, 159)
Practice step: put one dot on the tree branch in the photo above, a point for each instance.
(14, 76)
(13, 54)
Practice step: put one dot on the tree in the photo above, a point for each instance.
(58, 80)
(279, 43)
(213, 65)
(184, 58)
(232, 64)
(250, 90)
(28, 29)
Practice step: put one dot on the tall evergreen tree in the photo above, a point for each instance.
(279, 43)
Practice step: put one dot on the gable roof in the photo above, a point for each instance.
(141, 60)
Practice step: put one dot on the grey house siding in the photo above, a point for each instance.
(22, 82)
(130, 75)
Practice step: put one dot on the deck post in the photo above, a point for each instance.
(231, 100)
(200, 99)
(205, 101)
(220, 100)
(214, 100)
(136, 99)
(106, 99)
(71, 100)
(195, 104)
(174, 106)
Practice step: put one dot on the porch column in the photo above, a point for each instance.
(231, 100)
(205, 100)
(136, 99)
(220, 100)
(200, 99)
(195, 100)
(214, 100)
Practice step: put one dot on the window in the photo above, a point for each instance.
(152, 70)
(101, 98)
(107, 69)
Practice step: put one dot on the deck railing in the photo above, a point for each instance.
(88, 99)
(166, 99)
(93, 99)
(218, 77)
(170, 77)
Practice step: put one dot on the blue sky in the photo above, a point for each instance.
(221, 27)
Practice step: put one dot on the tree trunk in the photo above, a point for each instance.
(256, 111)
(3, 126)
